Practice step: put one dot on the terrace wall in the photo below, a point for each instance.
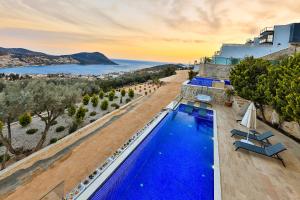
(292, 128)
(190, 92)
(285, 52)
(215, 70)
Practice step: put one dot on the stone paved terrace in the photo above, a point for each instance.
(250, 176)
(243, 175)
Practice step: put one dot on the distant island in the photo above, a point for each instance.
(12, 57)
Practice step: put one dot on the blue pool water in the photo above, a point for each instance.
(175, 161)
(205, 81)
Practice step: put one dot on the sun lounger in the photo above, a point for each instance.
(188, 109)
(202, 112)
(190, 103)
(270, 151)
(263, 137)
(203, 105)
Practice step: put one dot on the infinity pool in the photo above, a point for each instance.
(175, 161)
(208, 82)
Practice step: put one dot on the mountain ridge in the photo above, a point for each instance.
(11, 57)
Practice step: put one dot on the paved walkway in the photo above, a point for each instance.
(248, 176)
(86, 157)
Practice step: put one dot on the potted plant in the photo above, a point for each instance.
(228, 94)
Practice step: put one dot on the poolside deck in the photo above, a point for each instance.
(249, 176)
(243, 175)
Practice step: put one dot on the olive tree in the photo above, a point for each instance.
(49, 101)
(131, 93)
(95, 100)
(13, 102)
(247, 78)
(123, 92)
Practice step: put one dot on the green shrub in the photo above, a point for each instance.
(121, 100)
(128, 100)
(31, 131)
(95, 100)
(80, 114)
(123, 92)
(131, 93)
(60, 129)
(146, 93)
(86, 99)
(73, 127)
(2, 157)
(192, 74)
(101, 94)
(104, 105)
(111, 96)
(93, 113)
(116, 106)
(71, 110)
(53, 140)
(25, 119)
(53, 123)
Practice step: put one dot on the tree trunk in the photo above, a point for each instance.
(9, 130)
(4, 160)
(7, 144)
(261, 107)
(43, 138)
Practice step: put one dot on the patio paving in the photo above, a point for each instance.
(249, 176)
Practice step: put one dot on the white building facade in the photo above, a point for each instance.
(270, 40)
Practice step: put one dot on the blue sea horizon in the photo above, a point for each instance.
(77, 69)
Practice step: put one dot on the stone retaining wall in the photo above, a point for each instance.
(240, 106)
(284, 52)
(190, 92)
(215, 71)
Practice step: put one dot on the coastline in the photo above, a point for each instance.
(81, 71)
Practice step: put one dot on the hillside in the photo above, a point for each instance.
(11, 57)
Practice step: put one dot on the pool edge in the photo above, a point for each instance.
(217, 174)
(86, 194)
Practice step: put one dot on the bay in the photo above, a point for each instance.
(123, 66)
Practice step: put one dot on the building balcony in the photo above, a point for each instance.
(267, 31)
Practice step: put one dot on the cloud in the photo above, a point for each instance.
(119, 25)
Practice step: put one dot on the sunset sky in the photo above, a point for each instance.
(161, 30)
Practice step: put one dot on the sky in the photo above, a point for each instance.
(158, 30)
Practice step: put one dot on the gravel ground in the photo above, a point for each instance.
(21, 139)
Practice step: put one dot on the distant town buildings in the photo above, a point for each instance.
(270, 40)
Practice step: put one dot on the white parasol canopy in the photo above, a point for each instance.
(249, 120)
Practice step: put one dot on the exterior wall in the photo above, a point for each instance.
(215, 71)
(190, 92)
(280, 41)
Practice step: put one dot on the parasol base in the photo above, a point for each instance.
(246, 141)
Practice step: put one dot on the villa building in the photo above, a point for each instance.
(269, 41)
